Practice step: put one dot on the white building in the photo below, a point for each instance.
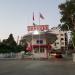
(61, 42)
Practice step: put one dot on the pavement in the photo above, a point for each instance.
(37, 67)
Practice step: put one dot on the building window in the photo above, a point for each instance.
(41, 50)
(62, 43)
(57, 42)
(39, 41)
(62, 34)
(54, 44)
(36, 50)
(62, 38)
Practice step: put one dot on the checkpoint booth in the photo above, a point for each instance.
(39, 40)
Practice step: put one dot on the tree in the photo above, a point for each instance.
(9, 45)
(11, 41)
(67, 10)
(23, 43)
(73, 37)
(70, 45)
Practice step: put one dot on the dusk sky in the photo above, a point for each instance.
(16, 15)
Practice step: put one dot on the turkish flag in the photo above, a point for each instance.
(29, 47)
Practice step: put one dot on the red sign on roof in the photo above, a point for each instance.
(38, 27)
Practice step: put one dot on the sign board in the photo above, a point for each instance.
(38, 27)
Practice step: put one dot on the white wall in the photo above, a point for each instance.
(59, 36)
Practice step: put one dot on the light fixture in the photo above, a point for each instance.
(36, 32)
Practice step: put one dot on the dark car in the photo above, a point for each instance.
(56, 54)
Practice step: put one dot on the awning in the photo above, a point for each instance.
(30, 47)
(42, 46)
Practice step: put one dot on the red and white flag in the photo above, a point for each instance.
(29, 47)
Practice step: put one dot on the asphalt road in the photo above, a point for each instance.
(22, 67)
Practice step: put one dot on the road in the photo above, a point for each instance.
(22, 67)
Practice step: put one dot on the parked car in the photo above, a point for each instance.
(56, 54)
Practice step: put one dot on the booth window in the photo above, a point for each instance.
(36, 50)
(42, 50)
(39, 41)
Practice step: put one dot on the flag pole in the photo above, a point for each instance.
(39, 18)
(32, 37)
(39, 37)
(32, 46)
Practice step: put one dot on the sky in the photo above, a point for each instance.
(16, 15)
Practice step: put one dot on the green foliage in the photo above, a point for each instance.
(67, 10)
(23, 43)
(70, 45)
(10, 41)
(19, 48)
(73, 37)
(9, 45)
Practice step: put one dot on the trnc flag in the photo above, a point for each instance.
(41, 16)
(33, 16)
